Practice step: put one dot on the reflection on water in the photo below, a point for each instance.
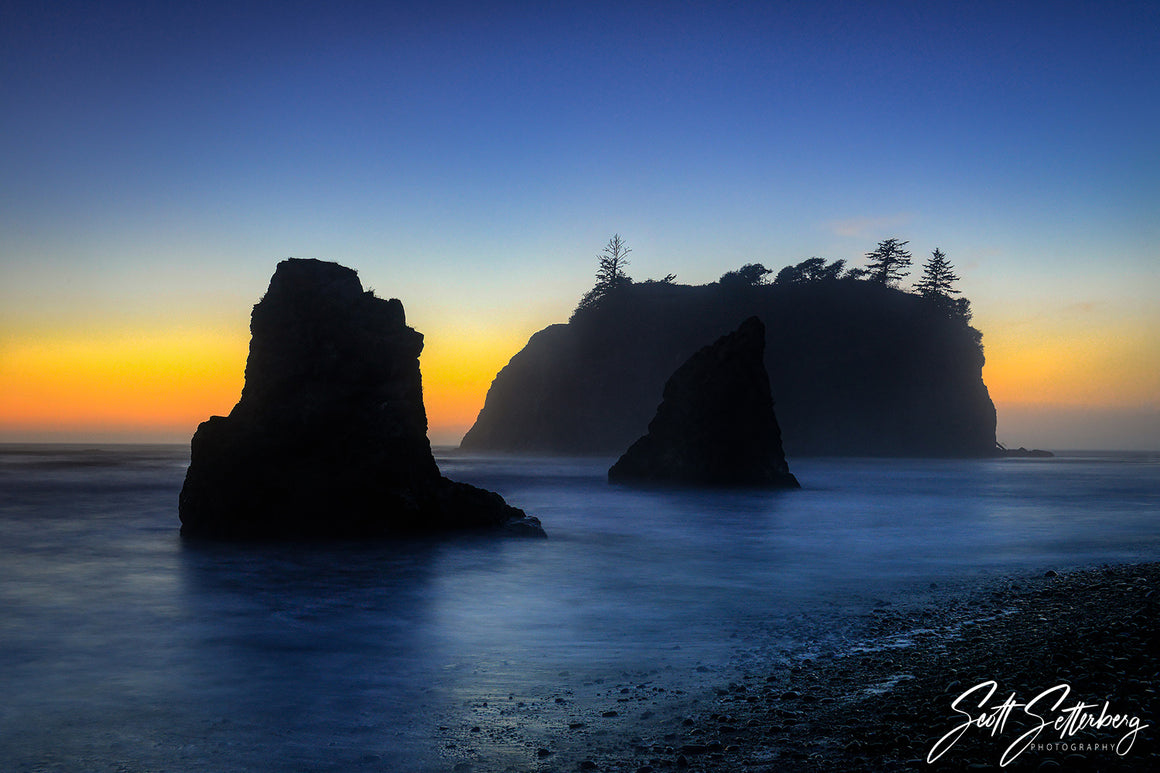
(312, 657)
(122, 644)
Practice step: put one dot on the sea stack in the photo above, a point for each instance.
(715, 425)
(329, 438)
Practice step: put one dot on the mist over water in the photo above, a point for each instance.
(121, 643)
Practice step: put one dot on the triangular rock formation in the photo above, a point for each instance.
(715, 425)
(329, 438)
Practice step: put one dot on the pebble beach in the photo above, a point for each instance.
(1073, 655)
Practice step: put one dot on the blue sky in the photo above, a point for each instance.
(472, 158)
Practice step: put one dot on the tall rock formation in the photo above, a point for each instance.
(329, 438)
(715, 425)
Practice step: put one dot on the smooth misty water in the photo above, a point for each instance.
(122, 648)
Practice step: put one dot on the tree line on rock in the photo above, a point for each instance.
(888, 265)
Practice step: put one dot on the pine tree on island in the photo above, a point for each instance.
(937, 286)
(889, 263)
(610, 276)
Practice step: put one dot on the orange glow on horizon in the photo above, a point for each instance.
(156, 382)
(165, 383)
(1115, 366)
(458, 368)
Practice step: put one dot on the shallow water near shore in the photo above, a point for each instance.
(123, 645)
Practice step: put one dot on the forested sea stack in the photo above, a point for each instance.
(715, 425)
(858, 369)
(329, 438)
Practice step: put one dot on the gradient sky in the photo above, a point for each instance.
(471, 159)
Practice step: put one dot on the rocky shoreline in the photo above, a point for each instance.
(884, 703)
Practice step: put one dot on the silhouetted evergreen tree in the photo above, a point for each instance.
(749, 275)
(613, 260)
(936, 286)
(610, 275)
(889, 263)
(835, 269)
(788, 275)
(937, 276)
(811, 270)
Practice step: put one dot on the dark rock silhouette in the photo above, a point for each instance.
(1023, 453)
(329, 438)
(715, 425)
(859, 369)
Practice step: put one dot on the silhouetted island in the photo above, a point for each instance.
(859, 368)
(329, 438)
(715, 425)
(1024, 453)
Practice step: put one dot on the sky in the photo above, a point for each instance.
(158, 159)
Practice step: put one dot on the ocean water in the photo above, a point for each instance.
(123, 648)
